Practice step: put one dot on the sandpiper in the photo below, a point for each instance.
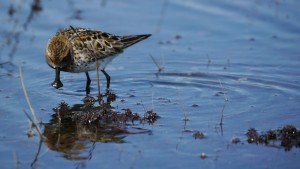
(82, 50)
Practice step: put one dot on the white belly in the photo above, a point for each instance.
(82, 66)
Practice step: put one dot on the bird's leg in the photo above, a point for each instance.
(107, 79)
(88, 82)
(57, 83)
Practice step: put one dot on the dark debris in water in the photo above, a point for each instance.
(235, 140)
(89, 114)
(286, 137)
(198, 135)
(195, 105)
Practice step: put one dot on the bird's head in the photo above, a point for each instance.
(58, 56)
(58, 52)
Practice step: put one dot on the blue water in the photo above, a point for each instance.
(245, 49)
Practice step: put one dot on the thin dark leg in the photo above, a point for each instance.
(57, 83)
(88, 82)
(107, 79)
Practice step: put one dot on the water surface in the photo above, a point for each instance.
(236, 57)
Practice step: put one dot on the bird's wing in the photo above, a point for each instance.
(99, 43)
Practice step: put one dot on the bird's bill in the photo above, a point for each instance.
(57, 83)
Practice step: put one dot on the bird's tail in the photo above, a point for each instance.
(129, 40)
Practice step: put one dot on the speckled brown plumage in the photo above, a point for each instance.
(79, 49)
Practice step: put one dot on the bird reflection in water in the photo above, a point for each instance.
(73, 131)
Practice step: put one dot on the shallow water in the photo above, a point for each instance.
(245, 49)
